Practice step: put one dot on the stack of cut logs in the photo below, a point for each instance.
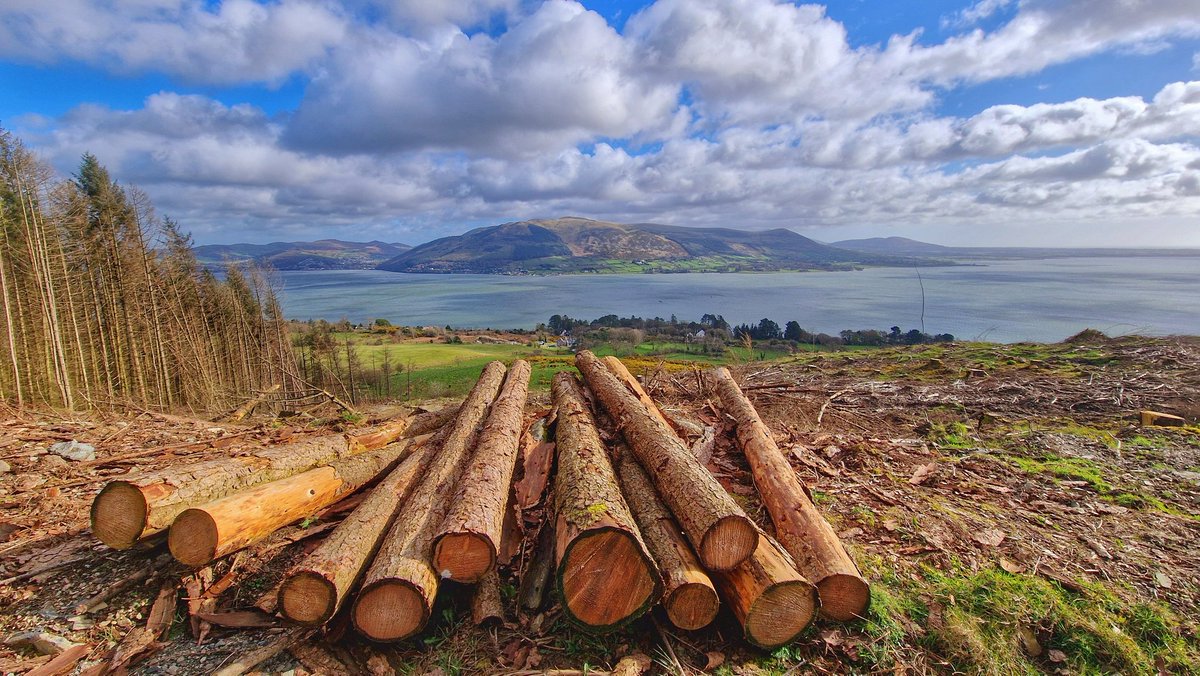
(637, 521)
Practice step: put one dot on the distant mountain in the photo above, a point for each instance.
(583, 245)
(325, 254)
(895, 246)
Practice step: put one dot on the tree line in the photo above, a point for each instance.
(715, 326)
(104, 302)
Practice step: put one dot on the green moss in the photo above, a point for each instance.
(1098, 632)
(950, 435)
(1072, 469)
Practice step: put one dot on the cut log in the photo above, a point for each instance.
(485, 603)
(1155, 418)
(315, 588)
(467, 543)
(202, 534)
(128, 510)
(606, 576)
(431, 421)
(617, 367)
(399, 588)
(803, 532)
(721, 533)
(689, 597)
(769, 598)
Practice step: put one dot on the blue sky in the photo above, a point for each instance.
(1042, 122)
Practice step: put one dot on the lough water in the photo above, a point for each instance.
(1005, 301)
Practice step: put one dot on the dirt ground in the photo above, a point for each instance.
(1008, 508)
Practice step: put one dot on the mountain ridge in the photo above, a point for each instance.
(575, 244)
(322, 254)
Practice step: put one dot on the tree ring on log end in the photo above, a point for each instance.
(390, 610)
(843, 597)
(193, 538)
(780, 613)
(119, 515)
(307, 598)
(728, 543)
(692, 606)
(605, 579)
(463, 557)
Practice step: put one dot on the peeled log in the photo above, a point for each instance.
(606, 576)
(128, 510)
(801, 529)
(202, 534)
(771, 601)
(399, 589)
(721, 533)
(688, 595)
(468, 541)
(314, 590)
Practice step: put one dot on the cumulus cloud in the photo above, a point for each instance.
(742, 113)
(560, 76)
(237, 41)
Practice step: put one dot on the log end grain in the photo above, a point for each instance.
(193, 538)
(390, 610)
(844, 597)
(463, 557)
(605, 579)
(729, 542)
(119, 515)
(692, 606)
(307, 598)
(782, 611)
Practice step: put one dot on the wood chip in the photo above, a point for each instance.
(989, 537)
(923, 473)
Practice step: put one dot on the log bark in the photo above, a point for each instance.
(247, 408)
(467, 543)
(485, 603)
(431, 421)
(606, 576)
(535, 579)
(769, 598)
(617, 367)
(803, 532)
(202, 534)
(721, 533)
(689, 597)
(128, 510)
(314, 589)
(400, 587)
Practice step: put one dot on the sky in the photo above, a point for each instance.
(998, 122)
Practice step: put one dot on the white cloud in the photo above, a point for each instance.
(238, 41)
(560, 76)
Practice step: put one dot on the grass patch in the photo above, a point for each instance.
(950, 435)
(1071, 469)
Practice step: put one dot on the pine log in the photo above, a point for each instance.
(721, 533)
(606, 576)
(400, 587)
(689, 597)
(769, 598)
(247, 408)
(128, 510)
(210, 531)
(467, 543)
(535, 579)
(431, 421)
(485, 603)
(617, 367)
(803, 532)
(315, 588)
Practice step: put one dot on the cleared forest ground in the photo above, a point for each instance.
(1009, 510)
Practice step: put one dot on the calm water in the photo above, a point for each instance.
(1006, 301)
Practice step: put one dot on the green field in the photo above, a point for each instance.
(423, 369)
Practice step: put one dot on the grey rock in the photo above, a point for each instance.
(41, 641)
(73, 450)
